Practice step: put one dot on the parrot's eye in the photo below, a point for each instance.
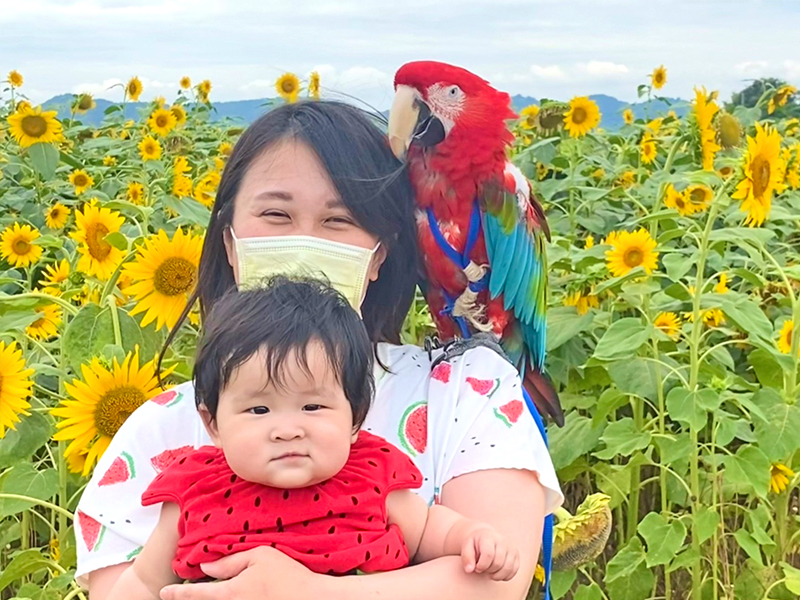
(454, 91)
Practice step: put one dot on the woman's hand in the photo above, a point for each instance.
(258, 574)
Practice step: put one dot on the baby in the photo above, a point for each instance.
(283, 381)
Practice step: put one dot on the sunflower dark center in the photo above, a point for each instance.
(80, 180)
(85, 103)
(579, 115)
(680, 203)
(21, 246)
(34, 125)
(287, 85)
(761, 173)
(174, 276)
(115, 407)
(162, 120)
(632, 257)
(99, 248)
(697, 195)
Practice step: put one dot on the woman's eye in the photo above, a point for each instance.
(258, 410)
(341, 220)
(312, 407)
(274, 214)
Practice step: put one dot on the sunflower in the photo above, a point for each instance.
(98, 257)
(699, 196)
(725, 171)
(15, 79)
(181, 186)
(83, 103)
(22, 104)
(134, 89)
(186, 82)
(713, 317)
(627, 116)
(669, 323)
(181, 165)
(205, 190)
(81, 180)
(56, 216)
(135, 193)
(164, 274)
(109, 161)
(648, 150)
(30, 125)
(55, 275)
(17, 246)
(729, 131)
(589, 243)
(763, 167)
(722, 284)
(582, 116)
(179, 113)
(204, 88)
(225, 149)
(582, 300)
(675, 199)
(792, 126)
(785, 338)
(780, 97)
(100, 403)
(46, 326)
(631, 250)
(598, 174)
(659, 77)
(541, 171)
(627, 179)
(704, 109)
(76, 461)
(528, 116)
(779, 476)
(313, 85)
(655, 125)
(162, 121)
(160, 101)
(288, 86)
(16, 386)
(149, 148)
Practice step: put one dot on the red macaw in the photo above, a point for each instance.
(449, 125)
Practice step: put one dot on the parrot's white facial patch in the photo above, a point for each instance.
(446, 102)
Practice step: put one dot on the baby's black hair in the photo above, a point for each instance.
(282, 316)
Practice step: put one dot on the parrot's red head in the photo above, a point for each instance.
(440, 105)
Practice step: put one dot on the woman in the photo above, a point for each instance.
(323, 170)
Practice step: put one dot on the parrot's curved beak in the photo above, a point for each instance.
(411, 120)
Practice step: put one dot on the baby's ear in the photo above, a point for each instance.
(210, 423)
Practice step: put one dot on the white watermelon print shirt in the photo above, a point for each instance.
(467, 415)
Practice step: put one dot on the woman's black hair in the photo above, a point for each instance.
(372, 183)
(279, 321)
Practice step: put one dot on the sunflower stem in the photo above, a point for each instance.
(40, 296)
(112, 307)
(63, 492)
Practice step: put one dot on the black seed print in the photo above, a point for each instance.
(327, 556)
(258, 501)
(477, 443)
(372, 462)
(311, 551)
(209, 461)
(397, 554)
(112, 522)
(359, 538)
(346, 482)
(186, 516)
(456, 419)
(273, 544)
(279, 523)
(462, 452)
(206, 518)
(227, 494)
(230, 546)
(316, 497)
(331, 572)
(369, 518)
(413, 476)
(246, 526)
(181, 461)
(242, 539)
(230, 510)
(233, 478)
(330, 514)
(305, 523)
(259, 531)
(394, 475)
(343, 516)
(367, 556)
(332, 529)
(285, 494)
(377, 489)
(127, 520)
(491, 445)
(387, 548)
(190, 565)
(205, 548)
(384, 449)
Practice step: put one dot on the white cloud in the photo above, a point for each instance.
(752, 67)
(602, 69)
(107, 89)
(792, 68)
(549, 73)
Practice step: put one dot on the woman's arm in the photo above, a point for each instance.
(102, 580)
(267, 574)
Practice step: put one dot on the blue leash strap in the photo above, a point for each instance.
(462, 260)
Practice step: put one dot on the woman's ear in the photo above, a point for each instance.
(210, 423)
(378, 259)
(230, 251)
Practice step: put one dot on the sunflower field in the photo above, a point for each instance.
(673, 332)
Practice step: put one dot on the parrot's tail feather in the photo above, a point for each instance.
(544, 395)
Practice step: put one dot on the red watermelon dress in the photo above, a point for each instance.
(332, 527)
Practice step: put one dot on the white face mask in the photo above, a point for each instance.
(346, 267)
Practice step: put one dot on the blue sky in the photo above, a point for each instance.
(535, 47)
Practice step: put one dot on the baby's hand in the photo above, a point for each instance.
(486, 551)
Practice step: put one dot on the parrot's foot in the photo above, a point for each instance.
(466, 304)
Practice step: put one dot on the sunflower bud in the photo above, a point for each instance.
(580, 539)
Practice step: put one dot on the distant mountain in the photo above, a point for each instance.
(247, 111)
